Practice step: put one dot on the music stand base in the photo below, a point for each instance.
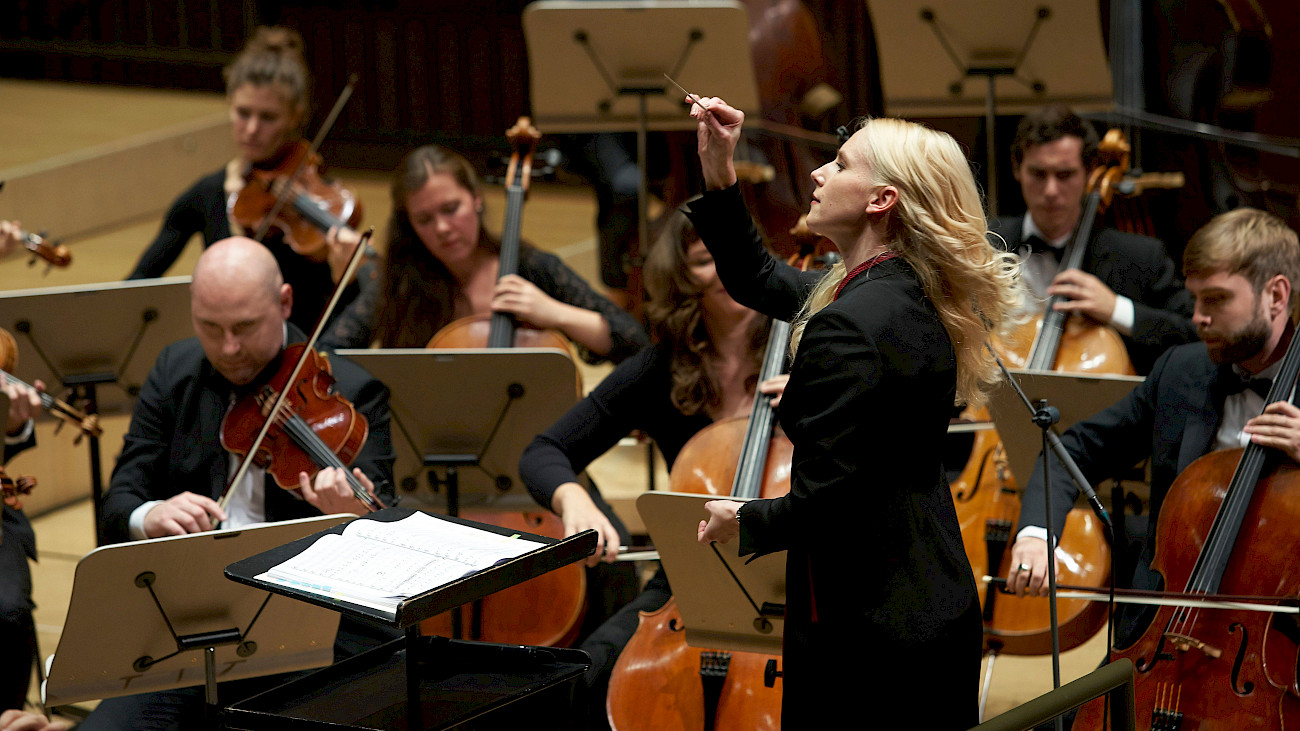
(534, 687)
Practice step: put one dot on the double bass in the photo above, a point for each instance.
(1227, 526)
(986, 495)
(548, 609)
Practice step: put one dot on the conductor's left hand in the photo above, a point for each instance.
(330, 492)
(722, 525)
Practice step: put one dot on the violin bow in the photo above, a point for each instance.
(277, 406)
(1244, 602)
(324, 131)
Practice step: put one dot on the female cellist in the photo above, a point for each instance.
(881, 610)
(442, 265)
(702, 367)
(267, 87)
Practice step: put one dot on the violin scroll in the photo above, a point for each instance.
(13, 490)
(54, 254)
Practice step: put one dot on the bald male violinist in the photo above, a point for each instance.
(173, 468)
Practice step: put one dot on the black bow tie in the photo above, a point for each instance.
(1037, 245)
(1231, 383)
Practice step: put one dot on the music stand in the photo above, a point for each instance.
(1076, 395)
(120, 329)
(157, 614)
(470, 413)
(599, 67)
(405, 682)
(1030, 53)
(726, 602)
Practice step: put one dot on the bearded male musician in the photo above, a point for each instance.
(173, 467)
(1127, 281)
(1199, 397)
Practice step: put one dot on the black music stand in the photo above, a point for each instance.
(470, 414)
(599, 67)
(407, 682)
(1029, 53)
(726, 602)
(156, 615)
(97, 340)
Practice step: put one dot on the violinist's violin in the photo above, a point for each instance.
(88, 424)
(303, 209)
(12, 490)
(54, 254)
(291, 196)
(317, 428)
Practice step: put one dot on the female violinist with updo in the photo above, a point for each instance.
(442, 265)
(267, 88)
(882, 615)
(702, 367)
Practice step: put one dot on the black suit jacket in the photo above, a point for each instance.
(173, 444)
(1171, 417)
(18, 544)
(874, 556)
(1136, 267)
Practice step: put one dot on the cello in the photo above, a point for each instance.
(658, 681)
(548, 609)
(1227, 525)
(985, 494)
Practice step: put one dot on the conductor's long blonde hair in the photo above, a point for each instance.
(938, 226)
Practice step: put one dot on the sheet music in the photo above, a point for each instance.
(378, 564)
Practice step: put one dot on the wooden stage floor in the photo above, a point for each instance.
(45, 123)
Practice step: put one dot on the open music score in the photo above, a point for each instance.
(380, 564)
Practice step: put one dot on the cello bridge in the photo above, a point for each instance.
(1183, 643)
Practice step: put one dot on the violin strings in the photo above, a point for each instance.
(302, 434)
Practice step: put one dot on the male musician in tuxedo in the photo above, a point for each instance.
(1127, 281)
(1199, 397)
(173, 468)
(17, 544)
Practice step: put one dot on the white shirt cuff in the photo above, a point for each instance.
(23, 435)
(135, 525)
(1122, 318)
(1033, 531)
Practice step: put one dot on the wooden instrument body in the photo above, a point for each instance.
(657, 681)
(1252, 682)
(336, 424)
(987, 499)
